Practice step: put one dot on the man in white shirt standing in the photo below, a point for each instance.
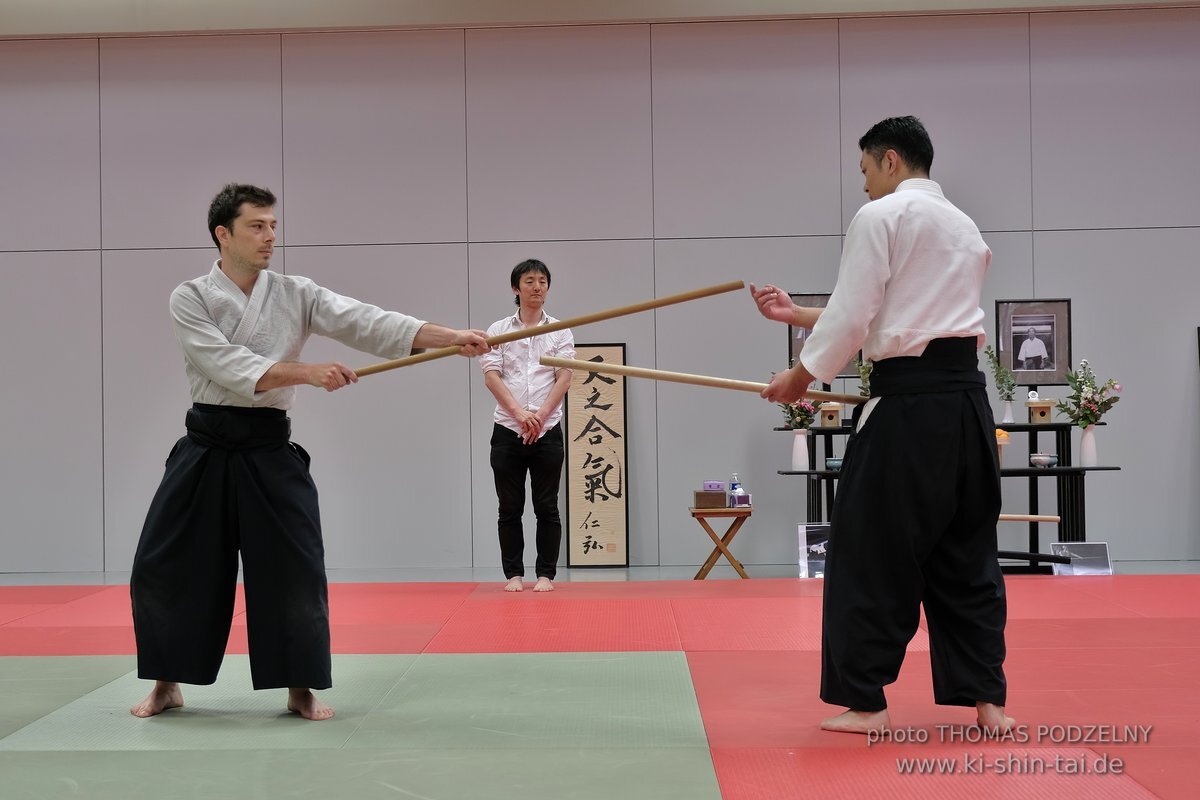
(526, 436)
(914, 521)
(236, 481)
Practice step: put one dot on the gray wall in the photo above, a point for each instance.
(417, 167)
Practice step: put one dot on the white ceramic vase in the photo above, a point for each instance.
(1087, 447)
(1008, 412)
(800, 449)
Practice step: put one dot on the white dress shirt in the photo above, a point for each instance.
(517, 362)
(911, 271)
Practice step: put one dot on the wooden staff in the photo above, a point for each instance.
(683, 377)
(1030, 518)
(574, 322)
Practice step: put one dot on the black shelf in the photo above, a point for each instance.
(1038, 472)
(1068, 482)
(821, 482)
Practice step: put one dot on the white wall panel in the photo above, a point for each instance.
(1116, 107)
(374, 137)
(558, 133)
(585, 277)
(1133, 317)
(746, 129)
(50, 472)
(180, 117)
(967, 79)
(707, 434)
(391, 453)
(1011, 278)
(145, 392)
(49, 141)
(539, 142)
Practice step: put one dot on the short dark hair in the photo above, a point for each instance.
(906, 135)
(528, 265)
(228, 202)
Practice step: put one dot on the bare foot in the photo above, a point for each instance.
(516, 584)
(993, 718)
(544, 585)
(164, 695)
(858, 722)
(306, 704)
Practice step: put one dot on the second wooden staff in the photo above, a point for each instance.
(574, 322)
(683, 377)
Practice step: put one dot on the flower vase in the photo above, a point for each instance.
(1087, 447)
(800, 450)
(1008, 413)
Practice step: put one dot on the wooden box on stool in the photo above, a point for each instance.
(831, 415)
(1039, 411)
(709, 499)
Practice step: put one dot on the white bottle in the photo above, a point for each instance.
(736, 492)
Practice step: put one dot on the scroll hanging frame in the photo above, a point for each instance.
(596, 460)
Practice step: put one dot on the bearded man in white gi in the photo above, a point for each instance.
(236, 481)
(914, 520)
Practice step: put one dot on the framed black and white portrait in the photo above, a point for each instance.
(1033, 339)
(797, 336)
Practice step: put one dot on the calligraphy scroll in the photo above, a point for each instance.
(596, 455)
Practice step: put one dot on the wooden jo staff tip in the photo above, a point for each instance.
(1030, 518)
(574, 322)
(683, 377)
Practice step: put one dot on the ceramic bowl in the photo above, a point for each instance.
(833, 464)
(1043, 459)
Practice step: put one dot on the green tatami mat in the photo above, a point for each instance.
(465, 701)
(571, 726)
(539, 700)
(566, 774)
(33, 686)
(227, 715)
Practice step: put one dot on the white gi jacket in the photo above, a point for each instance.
(230, 340)
(911, 271)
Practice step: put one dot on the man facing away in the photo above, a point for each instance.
(236, 482)
(914, 520)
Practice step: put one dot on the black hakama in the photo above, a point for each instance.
(914, 522)
(234, 482)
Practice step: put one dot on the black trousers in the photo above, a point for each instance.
(235, 482)
(914, 522)
(543, 461)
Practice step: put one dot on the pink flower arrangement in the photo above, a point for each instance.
(1088, 402)
(799, 415)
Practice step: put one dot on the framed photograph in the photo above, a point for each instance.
(797, 336)
(1033, 339)
(1087, 558)
(814, 542)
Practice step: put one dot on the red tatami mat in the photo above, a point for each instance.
(1147, 595)
(108, 640)
(676, 590)
(529, 622)
(771, 699)
(108, 606)
(755, 623)
(1084, 654)
(11, 612)
(49, 595)
(856, 771)
(1046, 597)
